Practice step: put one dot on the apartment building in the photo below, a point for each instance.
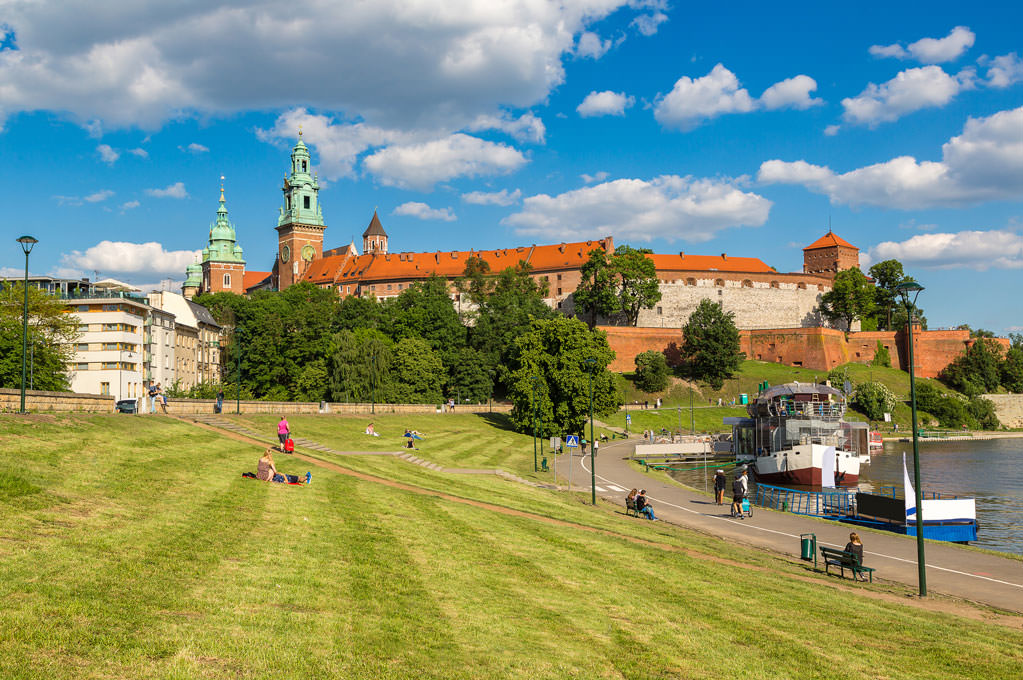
(197, 339)
(111, 354)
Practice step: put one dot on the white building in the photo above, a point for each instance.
(111, 353)
(197, 336)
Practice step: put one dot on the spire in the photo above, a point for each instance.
(222, 210)
(374, 228)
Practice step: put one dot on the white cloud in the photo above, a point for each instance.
(108, 154)
(140, 152)
(591, 46)
(605, 103)
(595, 177)
(525, 128)
(930, 50)
(832, 130)
(176, 190)
(647, 24)
(984, 163)
(910, 90)
(420, 166)
(791, 93)
(979, 250)
(691, 101)
(129, 205)
(430, 63)
(502, 197)
(119, 257)
(1003, 71)
(424, 212)
(668, 206)
(194, 148)
(98, 196)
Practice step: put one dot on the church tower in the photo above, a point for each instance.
(374, 239)
(223, 267)
(300, 225)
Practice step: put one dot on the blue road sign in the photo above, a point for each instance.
(628, 418)
(572, 441)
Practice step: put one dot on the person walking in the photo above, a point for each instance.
(719, 487)
(220, 401)
(283, 430)
(739, 489)
(154, 392)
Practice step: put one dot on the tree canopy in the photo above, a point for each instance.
(652, 372)
(851, 298)
(51, 337)
(710, 344)
(617, 286)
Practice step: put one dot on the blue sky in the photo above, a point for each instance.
(736, 129)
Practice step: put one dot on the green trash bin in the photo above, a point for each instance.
(807, 546)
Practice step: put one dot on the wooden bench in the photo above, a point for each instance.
(630, 508)
(844, 560)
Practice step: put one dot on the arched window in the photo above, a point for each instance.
(774, 284)
(690, 282)
(720, 283)
(801, 286)
(227, 280)
(747, 284)
(305, 202)
(303, 166)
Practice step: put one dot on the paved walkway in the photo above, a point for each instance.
(951, 569)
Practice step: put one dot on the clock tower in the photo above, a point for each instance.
(300, 224)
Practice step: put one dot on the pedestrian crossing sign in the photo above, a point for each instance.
(572, 441)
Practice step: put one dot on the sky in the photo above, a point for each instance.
(733, 128)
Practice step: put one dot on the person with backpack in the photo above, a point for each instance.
(739, 488)
(719, 487)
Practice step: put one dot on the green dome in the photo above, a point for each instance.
(193, 275)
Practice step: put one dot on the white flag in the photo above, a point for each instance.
(907, 490)
(828, 468)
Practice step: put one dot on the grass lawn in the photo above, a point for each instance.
(131, 548)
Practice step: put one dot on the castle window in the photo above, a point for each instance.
(305, 200)
(289, 202)
(747, 284)
(659, 310)
(774, 284)
(227, 280)
(801, 286)
(304, 166)
(690, 282)
(720, 283)
(559, 277)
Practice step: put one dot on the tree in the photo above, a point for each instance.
(359, 368)
(881, 356)
(976, 370)
(554, 352)
(851, 297)
(424, 310)
(595, 294)
(355, 312)
(874, 399)
(52, 333)
(1012, 370)
(469, 377)
(887, 275)
(652, 371)
(899, 317)
(710, 344)
(636, 282)
(416, 373)
(476, 281)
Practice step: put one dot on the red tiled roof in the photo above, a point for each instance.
(250, 279)
(829, 240)
(721, 263)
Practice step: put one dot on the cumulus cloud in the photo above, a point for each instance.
(832, 130)
(930, 50)
(979, 250)
(194, 148)
(140, 152)
(525, 128)
(605, 103)
(591, 46)
(791, 93)
(668, 206)
(108, 154)
(424, 212)
(910, 90)
(595, 177)
(129, 205)
(1003, 71)
(120, 257)
(176, 190)
(420, 166)
(647, 24)
(94, 197)
(140, 64)
(693, 101)
(502, 197)
(983, 163)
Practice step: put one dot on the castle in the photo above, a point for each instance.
(758, 295)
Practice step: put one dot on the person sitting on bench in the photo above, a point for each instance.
(855, 546)
(644, 507)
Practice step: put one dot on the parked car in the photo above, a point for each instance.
(127, 406)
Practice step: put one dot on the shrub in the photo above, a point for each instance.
(652, 371)
(881, 356)
(874, 399)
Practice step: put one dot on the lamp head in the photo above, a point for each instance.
(907, 288)
(26, 243)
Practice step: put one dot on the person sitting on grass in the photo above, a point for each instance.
(266, 470)
(370, 431)
(644, 507)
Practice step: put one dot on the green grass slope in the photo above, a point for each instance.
(131, 547)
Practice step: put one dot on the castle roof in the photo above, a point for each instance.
(721, 263)
(252, 279)
(829, 240)
(374, 228)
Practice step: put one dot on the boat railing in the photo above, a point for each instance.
(824, 503)
(889, 491)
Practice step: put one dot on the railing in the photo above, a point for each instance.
(104, 294)
(834, 503)
(890, 491)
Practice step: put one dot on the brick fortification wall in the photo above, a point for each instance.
(1009, 408)
(815, 348)
(36, 400)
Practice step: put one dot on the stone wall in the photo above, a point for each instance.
(1009, 408)
(36, 400)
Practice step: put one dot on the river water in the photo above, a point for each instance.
(989, 470)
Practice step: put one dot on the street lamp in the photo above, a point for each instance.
(592, 364)
(534, 380)
(905, 290)
(237, 341)
(26, 245)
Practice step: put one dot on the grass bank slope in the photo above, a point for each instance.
(131, 547)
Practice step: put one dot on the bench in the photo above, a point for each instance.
(844, 560)
(630, 508)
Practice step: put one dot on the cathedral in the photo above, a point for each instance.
(758, 295)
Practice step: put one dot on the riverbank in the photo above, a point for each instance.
(968, 435)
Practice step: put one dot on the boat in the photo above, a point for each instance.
(795, 434)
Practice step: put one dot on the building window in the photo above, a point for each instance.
(227, 280)
(559, 277)
(660, 310)
(83, 328)
(104, 388)
(388, 286)
(690, 282)
(304, 169)
(305, 200)
(82, 366)
(111, 345)
(83, 347)
(747, 284)
(109, 308)
(83, 308)
(774, 284)
(719, 283)
(559, 291)
(110, 366)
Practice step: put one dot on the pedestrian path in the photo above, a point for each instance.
(951, 569)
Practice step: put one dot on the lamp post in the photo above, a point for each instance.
(373, 386)
(592, 363)
(692, 413)
(905, 290)
(534, 380)
(238, 375)
(26, 245)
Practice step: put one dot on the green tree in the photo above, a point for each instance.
(355, 312)
(874, 399)
(887, 275)
(636, 284)
(881, 356)
(595, 294)
(417, 373)
(976, 370)
(710, 344)
(899, 317)
(1012, 370)
(652, 371)
(469, 377)
(555, 351)
(476, 281)
(424, 310)
(51, 337)
(359, 369)
(851, 297)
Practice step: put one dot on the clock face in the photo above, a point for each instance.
(307, 253)
(285, 254)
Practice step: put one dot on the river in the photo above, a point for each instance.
(989, 470)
